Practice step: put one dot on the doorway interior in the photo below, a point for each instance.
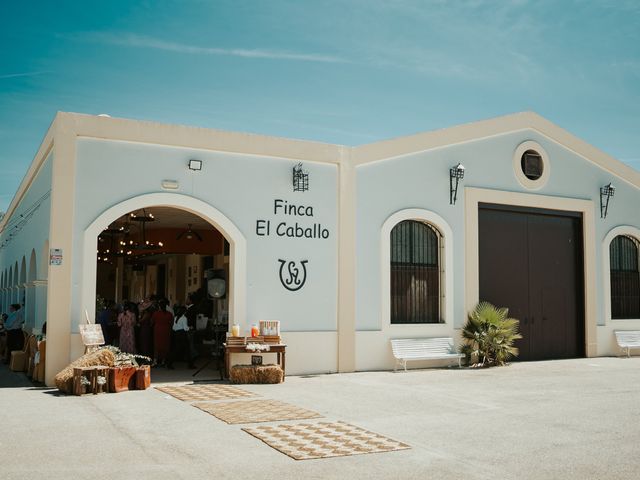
(531, 261)
(164, 253)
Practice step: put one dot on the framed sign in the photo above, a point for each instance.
(256, 359)
(91, 334)
(55, 256)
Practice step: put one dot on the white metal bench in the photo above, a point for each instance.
(628, 339)
(407, 349)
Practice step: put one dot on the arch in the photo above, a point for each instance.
(3, 292)
(33, 267)
(626, 230)
(233, 235)
(23, 271)
(15, 294)
(446, 264)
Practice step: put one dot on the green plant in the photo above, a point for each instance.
(488, 336)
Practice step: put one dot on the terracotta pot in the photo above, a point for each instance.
(121, 379)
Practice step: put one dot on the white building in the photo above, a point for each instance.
(374, 249)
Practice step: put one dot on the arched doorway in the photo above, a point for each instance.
(178, 212)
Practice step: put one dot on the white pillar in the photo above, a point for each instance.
(30, 307)
(40, 303)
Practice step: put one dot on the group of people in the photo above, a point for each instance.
(11, 330)
(152, 328)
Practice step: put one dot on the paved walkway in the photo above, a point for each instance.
(574, 419)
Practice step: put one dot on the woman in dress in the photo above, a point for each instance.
(162, 322)
(127, 322)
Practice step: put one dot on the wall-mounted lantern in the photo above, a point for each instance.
(195, 165)
(606, 193)
(300, 179)
(455, 175)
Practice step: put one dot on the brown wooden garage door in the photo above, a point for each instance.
(531, 261)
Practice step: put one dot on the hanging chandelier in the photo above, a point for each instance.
(110, 247)
(143, 243)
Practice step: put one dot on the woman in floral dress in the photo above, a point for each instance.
(127, 322)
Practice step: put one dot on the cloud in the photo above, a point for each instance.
(142, 41)
(25, 74)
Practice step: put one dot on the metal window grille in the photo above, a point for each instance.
(625, 277)
(415, 273)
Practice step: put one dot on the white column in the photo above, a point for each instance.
(40, 303)
(30, 306)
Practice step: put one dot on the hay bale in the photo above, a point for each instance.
(256, 374)
(64, 379)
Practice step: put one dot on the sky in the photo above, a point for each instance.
(347, 72)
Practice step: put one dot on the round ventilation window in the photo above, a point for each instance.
(531, 164)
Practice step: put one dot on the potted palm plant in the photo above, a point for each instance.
(489, 335)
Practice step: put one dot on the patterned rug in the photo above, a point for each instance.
(192, 393)
(255, 411)
(304, 441)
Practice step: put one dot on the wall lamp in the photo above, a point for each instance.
(455, 175)
(300, 179)
(195, 165)
(606, 193)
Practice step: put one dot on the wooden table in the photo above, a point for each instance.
(278, 349)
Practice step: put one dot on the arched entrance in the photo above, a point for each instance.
(235, 239)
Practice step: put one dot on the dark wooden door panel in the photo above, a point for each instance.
(504, 266)
(531, 261)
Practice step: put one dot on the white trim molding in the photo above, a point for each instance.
(446, 266)
(475, 196)
(630, 323)
(237, 242)
(517, 165)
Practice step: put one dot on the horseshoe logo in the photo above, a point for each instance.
(291, 278)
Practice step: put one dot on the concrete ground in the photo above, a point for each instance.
(571, 419)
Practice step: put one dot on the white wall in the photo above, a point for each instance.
(243, 188)
(31, 234)
(421, 180)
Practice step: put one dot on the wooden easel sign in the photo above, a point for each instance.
(92, 336)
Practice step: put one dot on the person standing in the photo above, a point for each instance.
(3, 336)
(191, 314)
(104, 317)
(13, 326)
(127, 323)
(145, 340)
(162, 322)
(180, 341)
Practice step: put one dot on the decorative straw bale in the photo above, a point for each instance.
(64, 379)
(256, 374)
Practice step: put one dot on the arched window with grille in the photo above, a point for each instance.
(415, 273)
(625, 277)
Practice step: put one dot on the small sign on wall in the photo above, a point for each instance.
(55, 256)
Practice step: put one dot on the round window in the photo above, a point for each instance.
(531, 165)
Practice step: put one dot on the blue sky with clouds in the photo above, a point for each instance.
(347, 72)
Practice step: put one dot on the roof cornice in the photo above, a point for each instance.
(120, 129)
(397, 147)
